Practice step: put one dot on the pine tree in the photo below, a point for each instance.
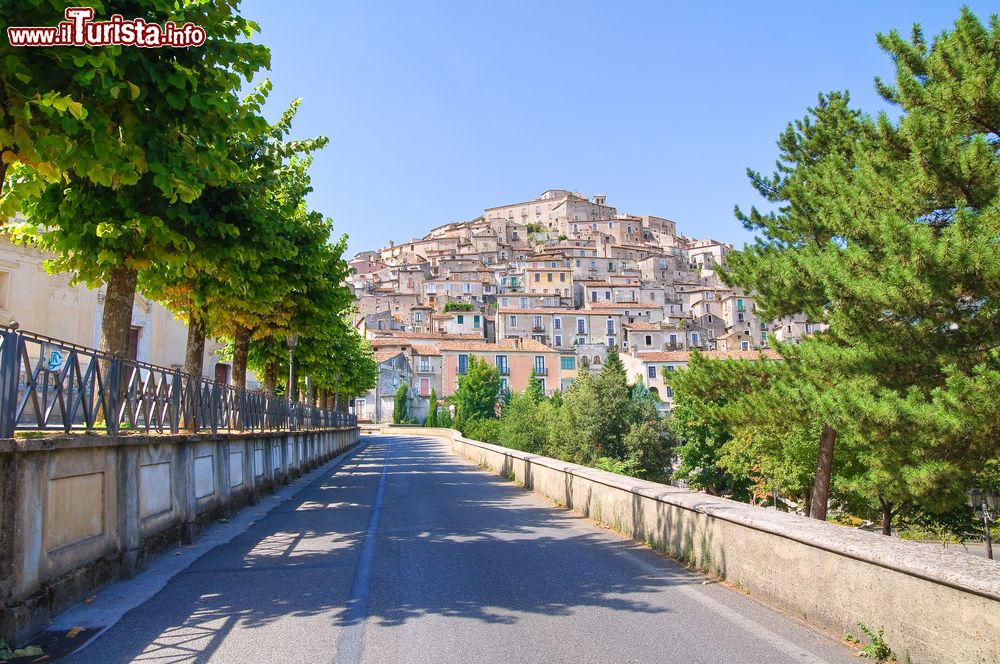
(886, 231)
(399, 406)
(432, 410)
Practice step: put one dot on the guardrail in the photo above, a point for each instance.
(50, 385)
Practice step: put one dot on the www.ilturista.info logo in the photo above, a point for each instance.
(79, 29)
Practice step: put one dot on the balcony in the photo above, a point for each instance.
(541, 371)
(504, 370)
(538, 328)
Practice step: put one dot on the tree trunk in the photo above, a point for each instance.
(808, 502)
(116, 321)
(194, 354)
(241, 348)
(324, 399)
(3, 172)
(824, 468)
(886, 516)
(271, 376)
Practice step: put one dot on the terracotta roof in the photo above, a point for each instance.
(538, 310)
(443, 336)
(643, 327)
(385, 342)
(504, 345)
(386, 355)
(623, 305)
(425, 349)
(685, 356)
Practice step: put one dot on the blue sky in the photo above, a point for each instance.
(436, 110)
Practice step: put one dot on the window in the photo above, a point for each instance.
(610, 324)
(418, 316)
(611, 342)
(542, 381)
(744, 345)
(709, 319)
(593, 296)
(739, 305)
(504, 385)
(649, 340)
(652, 297)
(557, 323)
(562, 276)
(502, 365)
(607, 295)
(651, 372)
(538, 277)
(711, 334)
(581, 325)
(504, 302)
(673, 339)
(524, 303)
(475, 321)
(548, 276)
(425, 387)
(512, 321)
(694, 338)
(669, 392)
(763, 337)
(461, 319)
(425, 364)
(463, 364)
(568, 363)
(466, 288)
(537, 322)
(558, 340)
(540, 365)
(670, 367)
(741, 317)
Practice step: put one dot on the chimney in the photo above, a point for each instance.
(635, 350)
(517, 343)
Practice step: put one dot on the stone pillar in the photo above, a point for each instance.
(223, 483)
(186, 491)
(268, 447)
(129, 521)
(10, 480)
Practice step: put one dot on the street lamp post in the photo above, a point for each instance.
(293, 392)
(982, 499)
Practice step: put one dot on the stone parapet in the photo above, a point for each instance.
(936, 606)
(79, 511)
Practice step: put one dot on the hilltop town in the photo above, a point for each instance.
(550, 285)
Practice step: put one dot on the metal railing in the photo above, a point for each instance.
(51, 385)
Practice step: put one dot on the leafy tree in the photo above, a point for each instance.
(452, 305)
(477, 393)
(444, 419)
(483, 429)
(172, 109)
(534, 389)
(399, 406)
(263, 210)
(525, 423)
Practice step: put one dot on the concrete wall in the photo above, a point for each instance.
(936, 606)
(78, 512)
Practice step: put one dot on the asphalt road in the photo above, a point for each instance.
(409, 554)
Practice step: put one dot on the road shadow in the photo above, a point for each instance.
(452, 541)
